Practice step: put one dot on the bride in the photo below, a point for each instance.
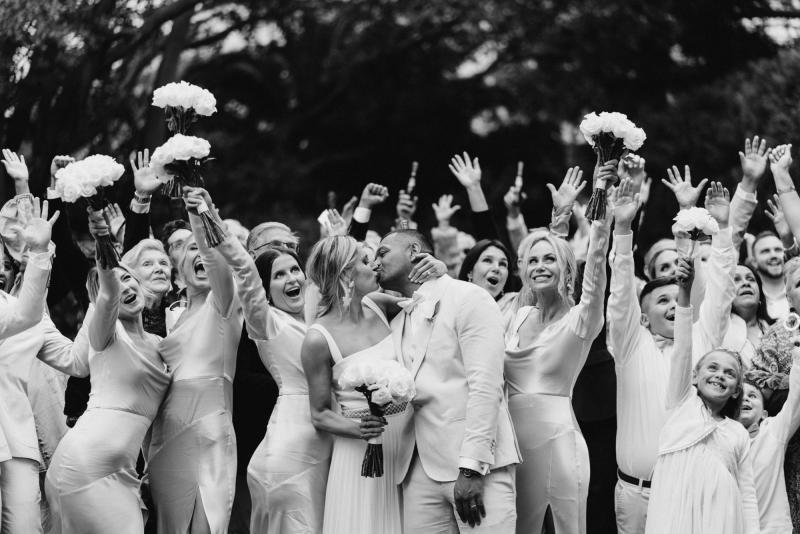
(352, 325)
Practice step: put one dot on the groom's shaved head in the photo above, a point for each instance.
(410, 237)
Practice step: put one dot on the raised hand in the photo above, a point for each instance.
(337, 224)
(684, 272)
(718, 203)
(144, 180)
(780, 159)
(512, 199)
(15, 166)
(406, 205)
(608, 172)
(98, 225)
(625, 205)
(195, 197)
(775, 213)
(58, 162)
(754, 159)
(348, 209)
(569, 190)
(36, 228)
(115, 218)
(685, 194)
(633, 168)
(372, 195)
(468, 172)
(444, 209)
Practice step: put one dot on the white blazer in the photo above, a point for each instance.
(460, 414)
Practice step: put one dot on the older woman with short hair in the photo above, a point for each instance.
(149, 261)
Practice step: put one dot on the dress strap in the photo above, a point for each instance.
(336, 354)
(372, 305)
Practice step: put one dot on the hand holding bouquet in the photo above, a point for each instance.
(386, 384)
(88, 178)
(611, 135)
(689, 225)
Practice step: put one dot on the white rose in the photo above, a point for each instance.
(402, 390)
(185, 95)
(590, 126)
(87, 189)
(693, 219)
(635, 139)
(68, 189)
(381, 396)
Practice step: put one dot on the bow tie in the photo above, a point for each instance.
(408, 305)
(662, 342)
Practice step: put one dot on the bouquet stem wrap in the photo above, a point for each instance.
(607, 148)
(372, 466)
(106, 253)
(187, 173)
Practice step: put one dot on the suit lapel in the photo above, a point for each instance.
(398, 324)
(425, 333)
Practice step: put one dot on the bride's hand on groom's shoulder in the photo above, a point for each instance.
(426, 267)
(372, 426)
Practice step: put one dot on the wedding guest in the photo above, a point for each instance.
(487, 265)
(92, 484)
(556, 334)
(457, 462)
(769, 437)
(351, 326)
(287, 473)
(151, 265)
(768, 257)
(640, 338)
(703, 479)
(192, 455)
(750, 318)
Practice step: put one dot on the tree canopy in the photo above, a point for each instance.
(316, 96)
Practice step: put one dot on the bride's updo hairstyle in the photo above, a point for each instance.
(329, 268)
(565, 259)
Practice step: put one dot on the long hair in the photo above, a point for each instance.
(733, 406)
(474, 254)
(265, 262)
(762, 313)
(565, 259)
(788, 273)
(328, 267)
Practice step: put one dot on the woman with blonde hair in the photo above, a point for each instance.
(152, 266)
(352, 325)
(546, 347)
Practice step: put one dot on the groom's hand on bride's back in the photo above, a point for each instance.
(468, 493)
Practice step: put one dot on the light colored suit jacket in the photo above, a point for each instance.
(460, 411)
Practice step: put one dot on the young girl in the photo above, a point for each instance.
(703, 479)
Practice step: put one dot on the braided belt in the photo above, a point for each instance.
(392, 409)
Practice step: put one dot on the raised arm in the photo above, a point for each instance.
(371, 196)
(258, 315)
(788, 419)
(588, 321)
(714, 314)
(60, 352)
(468, 174)
(780, 162)
(27, 310)
(680, 377)
(219, 273)
(137, 223)
(753, 160)
(515, 223)
(563, 200)
(624, 329)
(102, 327)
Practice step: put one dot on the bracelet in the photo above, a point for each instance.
(787, 190)
(141, 199)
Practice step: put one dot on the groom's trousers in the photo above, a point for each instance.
(429, 506)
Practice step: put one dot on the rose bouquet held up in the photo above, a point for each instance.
(611, 135)
(689, 225)
(179, 161)
(388, 387)
(88, 179)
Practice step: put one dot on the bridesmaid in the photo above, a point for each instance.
(288, 472)
(91, 484)
(546, 348)
(193, 448)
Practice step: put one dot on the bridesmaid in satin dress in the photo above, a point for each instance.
(92, 486)
(192, 453)
(288, 472)
(546, 347)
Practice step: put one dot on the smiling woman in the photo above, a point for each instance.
(149, 261)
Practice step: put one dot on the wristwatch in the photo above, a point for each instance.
(469, 473)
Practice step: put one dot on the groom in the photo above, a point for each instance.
(457, 457)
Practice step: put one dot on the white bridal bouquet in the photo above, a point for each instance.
(183, 102)
(385, 383)
(690, 224)
(178, 162)
(88, 179)
(611, 135)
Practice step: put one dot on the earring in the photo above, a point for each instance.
(469, 277)
(348, 294)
